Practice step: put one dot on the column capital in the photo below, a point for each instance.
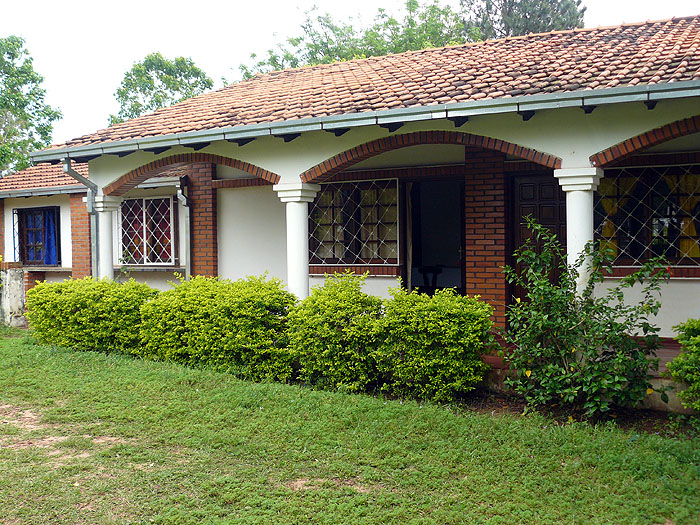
(579, 179)
(107, 203)
(296, 191)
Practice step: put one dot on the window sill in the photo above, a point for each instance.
(38, 268)
(146, 268)
(323, 269)
(683, 272)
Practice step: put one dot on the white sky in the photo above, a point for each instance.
(84, 47)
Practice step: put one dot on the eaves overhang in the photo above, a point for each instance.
(583, 98)
(43, 192)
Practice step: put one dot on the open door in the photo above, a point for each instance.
(436, 235)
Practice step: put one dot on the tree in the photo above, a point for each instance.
(26, 121)
(324, 40)
(502, 18)
(423, 25)
(157, 82)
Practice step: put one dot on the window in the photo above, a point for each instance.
(355, 223)
(147, 231)
(37, 236)
(645, 212)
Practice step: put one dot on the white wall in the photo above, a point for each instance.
(63, 201)
(160, 280)
(378, 285)
(680, 300)
(57, 277)
(251, 233)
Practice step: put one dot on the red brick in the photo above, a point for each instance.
(80, 236)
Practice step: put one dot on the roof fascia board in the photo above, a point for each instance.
(297, 127)
(662, 91)
(390, 116)
(615, 99)
(42, 192)
(350, 120)
(690, 92)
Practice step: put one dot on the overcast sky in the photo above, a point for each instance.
(84, 47)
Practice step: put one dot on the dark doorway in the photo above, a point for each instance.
(541, 197)
(436, 233)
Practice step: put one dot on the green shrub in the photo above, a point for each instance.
(685, 368)
(87, 314)
(333, 333)
(432, 346)
(580, 350)
(235, 326)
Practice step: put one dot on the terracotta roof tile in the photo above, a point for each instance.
(41, 176)
(555, 62)
(46, 175)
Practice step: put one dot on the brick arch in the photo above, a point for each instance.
(344, 160)
(140, 174)
(645, 140)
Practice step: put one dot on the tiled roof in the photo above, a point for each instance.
(556, 62)
(46, 175)
(41, 176)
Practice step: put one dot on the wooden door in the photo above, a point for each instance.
(541, 197)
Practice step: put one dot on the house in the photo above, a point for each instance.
(416, 166)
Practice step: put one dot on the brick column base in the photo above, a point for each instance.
(30, 279)
(80, 236)
(485, 226)
(203, 241)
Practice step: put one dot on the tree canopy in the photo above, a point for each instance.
(325, 40)
(502, 18)
(423, 25)
(26, 121)
(158, 82)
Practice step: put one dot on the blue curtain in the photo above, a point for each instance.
(50, 251)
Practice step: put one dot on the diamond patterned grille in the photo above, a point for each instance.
(645, 212)
(147, 231)
(355, 223)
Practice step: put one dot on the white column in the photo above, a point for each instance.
(105, 207)
(297, 197)
(579, 185)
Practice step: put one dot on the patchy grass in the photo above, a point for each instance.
(90, 438)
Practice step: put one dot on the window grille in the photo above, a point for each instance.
(355, 223)
(147, 231)
(646, 212)
(37, 235)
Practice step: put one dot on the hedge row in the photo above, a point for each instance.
(85, 314)
(685, 368)
(339, 338)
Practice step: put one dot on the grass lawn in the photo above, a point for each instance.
(90, 438)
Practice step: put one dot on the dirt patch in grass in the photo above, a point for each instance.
(318, 483)
(29, 422)
(23, 419)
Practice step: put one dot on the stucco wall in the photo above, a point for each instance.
(160, 280)
(374, 284)
(63, 201)
(252, 237)
(680, 300)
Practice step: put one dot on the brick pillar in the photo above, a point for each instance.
(485, 229)
(203, 242)
(30, 279)
(80, 236)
